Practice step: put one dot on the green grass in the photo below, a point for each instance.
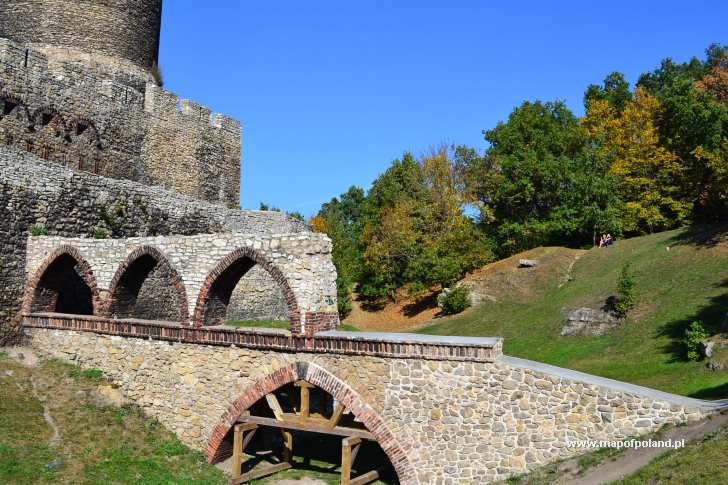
(98, 444)
(704, 461)
(689, 282)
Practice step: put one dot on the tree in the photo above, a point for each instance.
(649, 176)
(615, 91)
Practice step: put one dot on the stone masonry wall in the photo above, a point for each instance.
(257, 297)
(126, 29)
(457, 422)
(305, 272)
(119, 125)
(62, 202)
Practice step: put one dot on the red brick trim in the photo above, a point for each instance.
(161, 259)
(217, 449)
(84, 269)
(294, 313)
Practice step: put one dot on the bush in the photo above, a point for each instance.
(100, 233)
(694, 334)
(626, 288)
(38, 230)
(456, 301)
(157, 75)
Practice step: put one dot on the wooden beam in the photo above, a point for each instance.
(240, 441)
(349, 449)
(336, 417)
(275, 406)
(365, 478)
(262, 472)
(312, 425)
(305, 397)
(287, 446)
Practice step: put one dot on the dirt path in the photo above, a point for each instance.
(632, 460)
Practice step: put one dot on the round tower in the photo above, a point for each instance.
(101, 31)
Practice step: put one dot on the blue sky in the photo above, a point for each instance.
(329, 93)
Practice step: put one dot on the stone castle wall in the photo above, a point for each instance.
(300, 263)
(118, 125)
(124, 29)
(59, 201)
(456, 421)
(257, 297)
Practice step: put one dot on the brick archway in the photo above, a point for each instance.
(218, 449)
(162, 261)
(226, 265)
(83, 269)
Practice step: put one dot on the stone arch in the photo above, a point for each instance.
(217, 288)
(45, 283)
(84, 128)
(49, 116)
(132, 273)
(217, 448)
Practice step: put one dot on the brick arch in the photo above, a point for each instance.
(255, 257)
(218, 449)
(161, 259)
(83, 268)
(19, 105)
(56, 117)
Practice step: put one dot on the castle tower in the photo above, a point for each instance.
(116, 35)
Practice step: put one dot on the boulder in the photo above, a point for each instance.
(586, 321)
(527, 263)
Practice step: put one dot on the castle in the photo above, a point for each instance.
(77, 88)
(122, 248)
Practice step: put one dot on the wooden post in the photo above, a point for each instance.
(240, 441)
(305, 398)
(287, 446)
(349, 449)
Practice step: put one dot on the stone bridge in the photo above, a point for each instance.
(442, 410)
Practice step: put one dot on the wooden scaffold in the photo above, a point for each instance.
(301, 420)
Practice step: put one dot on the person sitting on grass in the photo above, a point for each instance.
(608, 240)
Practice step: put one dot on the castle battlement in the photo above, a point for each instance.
(100, 121)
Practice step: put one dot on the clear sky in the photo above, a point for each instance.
(330, 92)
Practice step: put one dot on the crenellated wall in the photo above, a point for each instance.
(117, 124)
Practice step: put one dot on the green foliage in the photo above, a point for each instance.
(157, 75)
(295, 214)
(456, 301)
(38, 230)
(92, 374)
(694, 334)
(100, 233)
(626, 284)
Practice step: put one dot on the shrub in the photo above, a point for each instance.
(694, 334)
(157, 75)
(100, 233)
(626, 288)
(456, 301)
(38, 230)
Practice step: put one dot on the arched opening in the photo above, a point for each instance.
(244, 285)
(257, 297)
(64, 287)
(147, 287)
(302, 416)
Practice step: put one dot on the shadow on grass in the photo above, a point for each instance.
(713, 316)
(716, 392)
(426, 302)
(705, 236)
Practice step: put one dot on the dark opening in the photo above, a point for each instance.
(80, 128)
(218, 298)
(9, 107)
(318, 453)
(147, 291)
(62, 289)
(46, 119)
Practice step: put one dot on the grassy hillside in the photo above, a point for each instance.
(688, 281)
